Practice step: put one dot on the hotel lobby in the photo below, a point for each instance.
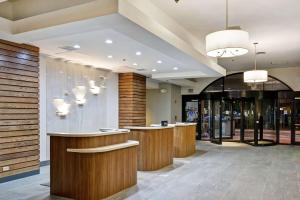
(149, 99)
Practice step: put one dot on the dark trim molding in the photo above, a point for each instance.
(18, 176)
(222, 78)
(26, 174)
(44, 163)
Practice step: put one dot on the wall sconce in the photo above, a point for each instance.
(93, 88)
(62, 108)
(102, 81)
(79, 92)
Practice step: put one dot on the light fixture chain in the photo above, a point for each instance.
(227, 14)
(255, 55)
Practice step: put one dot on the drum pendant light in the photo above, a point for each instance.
(255, 76)
(230, 42)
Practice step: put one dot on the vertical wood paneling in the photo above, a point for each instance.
(132, 100)
(91, 176)
(19, 108)
(184, 141)
(155, 148)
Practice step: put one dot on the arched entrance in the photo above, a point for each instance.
(257, 114)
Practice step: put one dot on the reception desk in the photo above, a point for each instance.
(155, 148)
(184, 139)
(92, 165)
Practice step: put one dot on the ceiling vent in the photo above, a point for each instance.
(140, 69)
(68, 48)
(190, 90)
(136, 69)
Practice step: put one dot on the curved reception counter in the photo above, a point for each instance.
(155, 148)
(92, 165)
(184, 139)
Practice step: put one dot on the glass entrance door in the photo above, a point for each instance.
(227, 120)
(297, 121)
(231, 120)
(249, 120)
(216, 120)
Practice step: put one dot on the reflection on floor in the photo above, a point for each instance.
(284, 135)
(228, 172)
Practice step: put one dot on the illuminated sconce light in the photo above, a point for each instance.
(62, 108)
(102, 82)
(79, 92)
(93, 88)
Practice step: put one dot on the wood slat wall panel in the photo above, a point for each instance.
(17, 145)
(18, 128)
(19, 108)
(18, 77)
(18, 155)
(18, 83)
(18, 133)
(132, 100)
(19, 111)
(18, 139)
(18, 48)
(18, 105)
(18, 94)
(19, 100)
(18, 88)
(18, 55)
(23, 165)
(18, 122)
(18, 61)
(18, 66)
(18, 149)
(18, 72)
(18, 171)
(18, 160)
(18, 116)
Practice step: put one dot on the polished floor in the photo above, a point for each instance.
(284, 135)
(228, 172)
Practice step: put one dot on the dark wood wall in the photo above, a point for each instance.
(19, 109)
(132, 100)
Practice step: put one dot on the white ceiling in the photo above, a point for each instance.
(273, 23)
(127, 37)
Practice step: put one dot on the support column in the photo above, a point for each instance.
(132, 100)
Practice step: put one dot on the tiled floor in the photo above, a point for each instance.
(229, 172)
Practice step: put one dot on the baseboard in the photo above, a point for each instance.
(18, 176)
(45, 163)
(25, 174)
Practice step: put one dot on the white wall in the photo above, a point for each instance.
(57, 79)
(289, 75)
(176, 104)
(163, 106)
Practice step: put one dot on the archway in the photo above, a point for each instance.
(258, 114)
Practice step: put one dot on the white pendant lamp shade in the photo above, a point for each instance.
(256, 76)
(227, 43)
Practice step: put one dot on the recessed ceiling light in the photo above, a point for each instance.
(76, 46)
(109, 56)
(175, 68)
(135, 64)
(138, 53)
(159, 61)
(108, 41)
(154, 70)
